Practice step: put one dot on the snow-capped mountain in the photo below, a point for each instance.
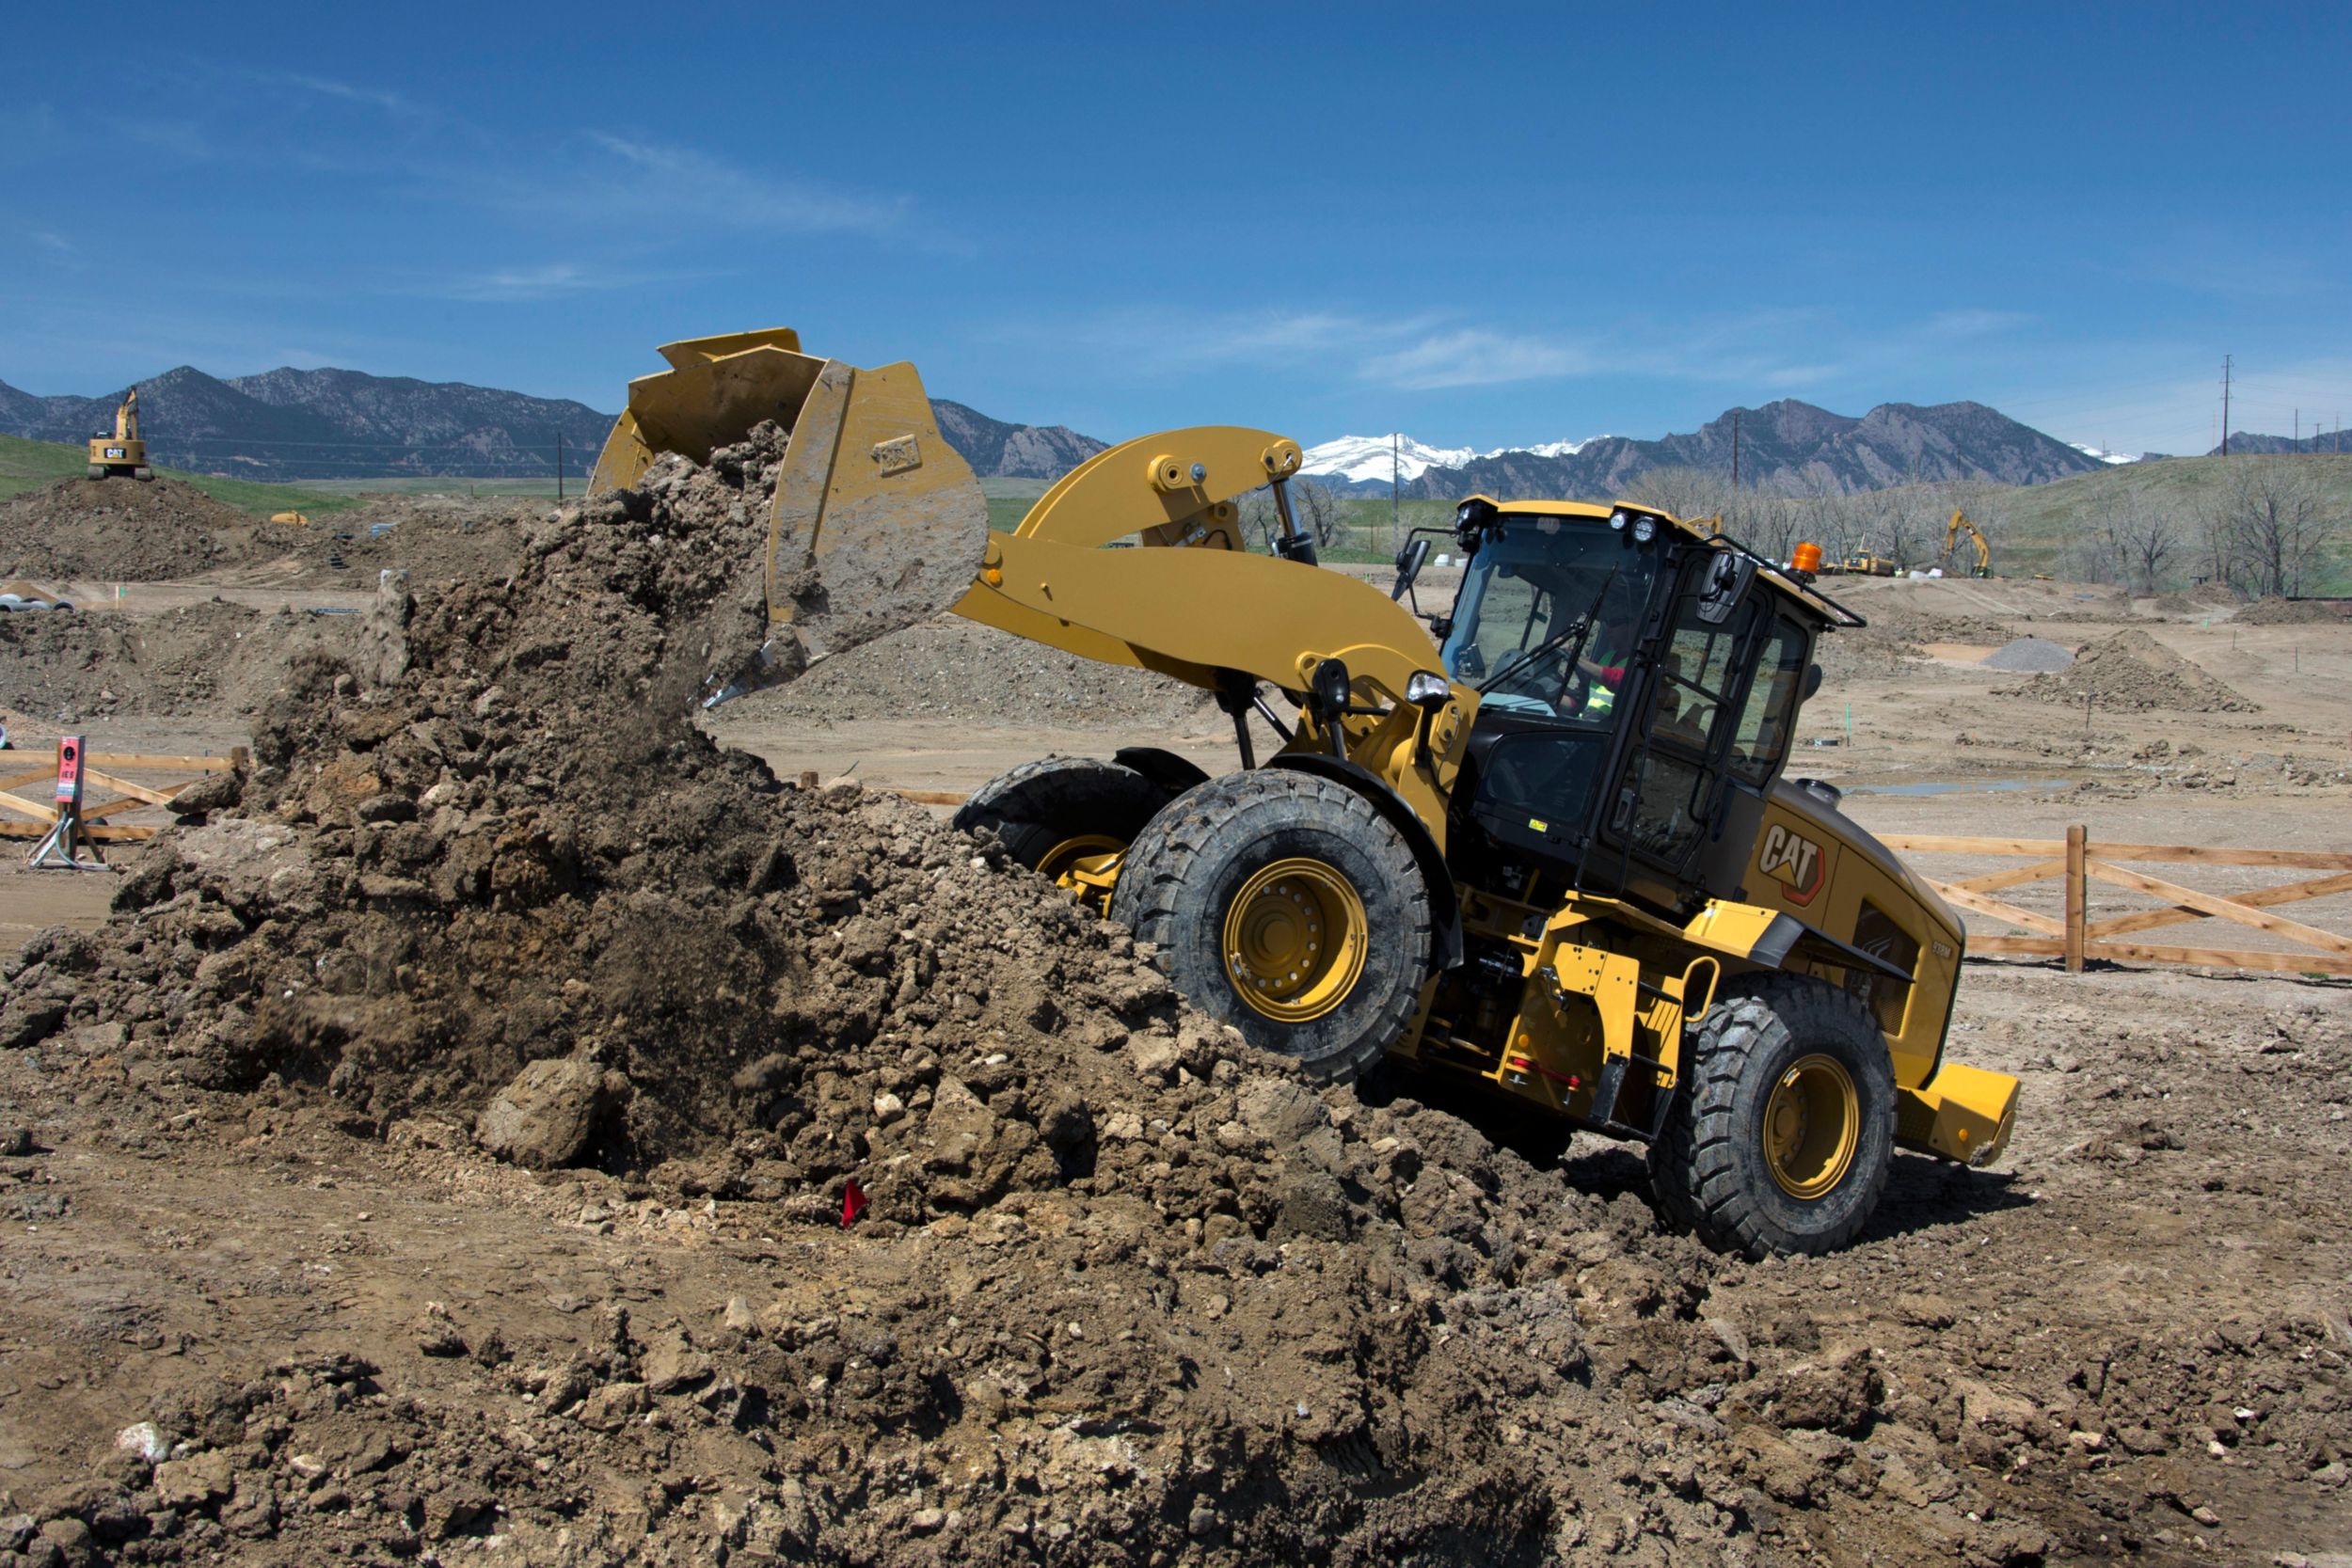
(1371, 459)
(2090, 451)
(1367, 458)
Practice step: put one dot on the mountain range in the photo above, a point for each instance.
(1786, 445)
(2246, 441)
(289, 425)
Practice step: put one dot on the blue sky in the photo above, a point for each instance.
(1483, 224)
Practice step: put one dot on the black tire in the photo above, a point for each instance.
(1187, 871)
(1713, 1170)
(1062, 803)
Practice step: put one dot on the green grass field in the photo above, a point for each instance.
(444, 486)
(29, 465)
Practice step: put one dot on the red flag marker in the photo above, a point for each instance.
(852, 1203)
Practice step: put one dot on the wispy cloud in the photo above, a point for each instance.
(52, 242)
(176, 138)
(550, 281)
(1474, 357)
(328, 86)
(1976, 323)
(642, 177)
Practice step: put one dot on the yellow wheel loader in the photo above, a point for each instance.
(120, 452)
(1543, 844)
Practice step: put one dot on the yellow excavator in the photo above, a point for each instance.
(1982, 566)
(1541, 842)
(121, 452)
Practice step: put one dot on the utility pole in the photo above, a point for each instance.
(2225, 403)
(1395, 490)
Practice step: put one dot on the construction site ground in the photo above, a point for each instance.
(366, 1337)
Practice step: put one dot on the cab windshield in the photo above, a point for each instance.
(1514, 620)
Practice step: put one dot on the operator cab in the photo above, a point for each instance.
(1639, 685)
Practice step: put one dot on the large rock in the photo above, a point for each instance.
(547, 1116)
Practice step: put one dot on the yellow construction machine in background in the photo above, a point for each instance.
(1543, 844)
(1982, 566)
(122, 453)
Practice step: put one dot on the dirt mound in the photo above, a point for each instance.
(199, 659)
(2294, 612)
(433, 538)
(2037, 655)
(2132, 670)
(958, 670)
(1972, 630)
(113, 529)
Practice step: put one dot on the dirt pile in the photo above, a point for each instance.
(118, 530)
(2294, 612)
(2031, 654)
(201, 659)
(433, 538)
(1975, 630)
(956, 668)
(2132, 670)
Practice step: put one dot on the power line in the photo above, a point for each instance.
(2225, 405)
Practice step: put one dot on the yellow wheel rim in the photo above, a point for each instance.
(1061, 860)
(1812, 1124)
(1295, 940)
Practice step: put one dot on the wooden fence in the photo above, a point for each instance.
(20, 817)
(2077, 862)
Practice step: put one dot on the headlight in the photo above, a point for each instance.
(1427, 688)
(1616, 519)
(1645, 529)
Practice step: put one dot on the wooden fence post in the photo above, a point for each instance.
(2075, 879)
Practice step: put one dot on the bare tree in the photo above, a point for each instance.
(2145, 537)
(2274, 528)
(1315, 507)
(1691, 494)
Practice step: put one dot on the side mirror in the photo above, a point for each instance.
(1728, 580)
(1811, 683)
(1408, 564)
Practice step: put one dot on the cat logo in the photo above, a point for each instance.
(1793, 860)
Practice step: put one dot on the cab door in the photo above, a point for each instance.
(1670, 786)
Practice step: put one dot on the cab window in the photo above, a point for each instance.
(1761, 742)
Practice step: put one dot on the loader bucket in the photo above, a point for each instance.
(877, 522)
